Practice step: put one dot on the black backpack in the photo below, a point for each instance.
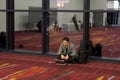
(82, 57)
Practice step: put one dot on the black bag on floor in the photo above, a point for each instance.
(82, 56)
(98, 50)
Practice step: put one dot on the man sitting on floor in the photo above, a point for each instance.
(66, 51)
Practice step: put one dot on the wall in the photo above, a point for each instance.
(98, 4)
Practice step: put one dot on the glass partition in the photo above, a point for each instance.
(27, 34)
(105, 32)
(62, 25)
(104, 26)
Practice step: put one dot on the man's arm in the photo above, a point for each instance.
(73, 50)
(60, 50)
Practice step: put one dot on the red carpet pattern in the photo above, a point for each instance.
(16, 66)
(109, 37)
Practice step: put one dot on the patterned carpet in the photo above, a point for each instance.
(20, 66)
(109, 37)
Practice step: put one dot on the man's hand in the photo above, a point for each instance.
(62, 56)
(66, 57)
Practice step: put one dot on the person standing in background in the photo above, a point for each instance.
(74, 19)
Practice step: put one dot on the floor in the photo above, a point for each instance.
(22, 66)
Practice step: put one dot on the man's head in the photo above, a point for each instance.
(65, 41)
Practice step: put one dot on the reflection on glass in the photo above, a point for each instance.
(62, 3)
(2, 40)
(67, 4)
(65, 26)
(24, 4)
(2, 30)
(2, 4)
(113, 4)
(105, 37)
(27, 34)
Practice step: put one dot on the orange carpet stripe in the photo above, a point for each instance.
(26, 72)
(100, 78)
(3, 65)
